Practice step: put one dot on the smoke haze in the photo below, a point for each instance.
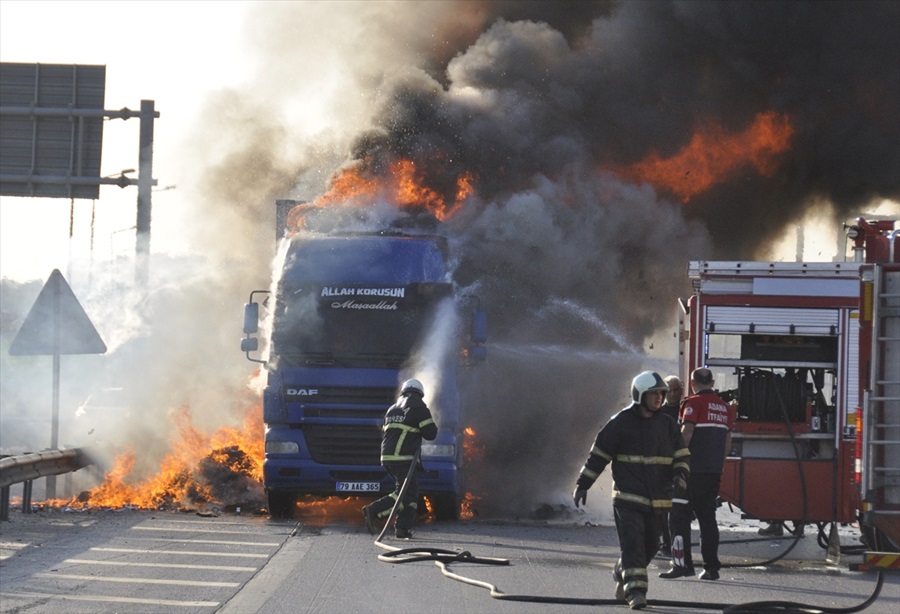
(545, 105)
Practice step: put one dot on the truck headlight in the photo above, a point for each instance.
(432, 449)
(282, 447)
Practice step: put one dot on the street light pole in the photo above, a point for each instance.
(145, 184)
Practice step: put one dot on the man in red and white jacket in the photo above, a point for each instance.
(706, 422)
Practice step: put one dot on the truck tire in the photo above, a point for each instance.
(446, 506)
(281, 504)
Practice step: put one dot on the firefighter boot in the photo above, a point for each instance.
(620, 583)
(637, 600)
(371, 520)
(709, 574)
(677, 571)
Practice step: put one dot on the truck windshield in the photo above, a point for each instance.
(352, 325)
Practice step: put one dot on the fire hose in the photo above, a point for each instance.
(825, 542)
(444, 558)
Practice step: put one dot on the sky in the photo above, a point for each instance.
(606, 144)
(169, 52)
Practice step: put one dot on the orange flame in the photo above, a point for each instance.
(472, 453)
(467, 508)
(180, 481)
(403, 185)
(712, 156)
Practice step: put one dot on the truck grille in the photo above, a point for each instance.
(344, 444)
(341, 395)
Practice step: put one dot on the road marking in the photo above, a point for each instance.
(174, 530)
(167, 565)
(208, 541)
(237, 524)
(6, 547)
(137, 580)
(263, 586)
(96, 598)
(182, 553)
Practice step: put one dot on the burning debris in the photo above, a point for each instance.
(200, 472)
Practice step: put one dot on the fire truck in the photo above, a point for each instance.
(808, 354)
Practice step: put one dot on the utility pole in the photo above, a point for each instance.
(145, 183)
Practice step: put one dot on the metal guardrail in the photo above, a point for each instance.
(27, 467)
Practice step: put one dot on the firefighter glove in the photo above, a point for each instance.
(679, 485)
(580, 495)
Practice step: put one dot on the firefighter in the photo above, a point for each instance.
(406, 423)
(706, 422)
(649, 462)
(670, 408)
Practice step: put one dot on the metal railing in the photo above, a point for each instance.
(25, 468)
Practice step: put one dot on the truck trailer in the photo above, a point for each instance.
(809, 355)
(351, 316)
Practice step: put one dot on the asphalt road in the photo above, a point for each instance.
(323, 560)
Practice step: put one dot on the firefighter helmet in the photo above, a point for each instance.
(645, 382)
(412, 385)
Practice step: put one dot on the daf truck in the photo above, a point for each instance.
(351, 316)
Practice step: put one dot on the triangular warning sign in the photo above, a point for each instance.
(57, 324)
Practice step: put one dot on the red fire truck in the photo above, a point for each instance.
(809, 355)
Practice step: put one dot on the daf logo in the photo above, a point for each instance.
(301, 392)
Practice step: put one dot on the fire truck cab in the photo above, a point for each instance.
(789, 348)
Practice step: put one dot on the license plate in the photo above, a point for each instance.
(358, 486)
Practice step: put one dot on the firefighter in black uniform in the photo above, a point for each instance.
(406, 423)
(649, 463)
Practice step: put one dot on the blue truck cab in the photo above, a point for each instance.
(354, 315)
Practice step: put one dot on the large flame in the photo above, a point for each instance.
(712, 156)
(403, 184)
(195, 472)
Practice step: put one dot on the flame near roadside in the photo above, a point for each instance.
(200, 470)
(221, 470)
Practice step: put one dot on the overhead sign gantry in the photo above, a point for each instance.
(51, 139)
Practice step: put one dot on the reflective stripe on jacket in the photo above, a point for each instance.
(646, 454)
(406, 423)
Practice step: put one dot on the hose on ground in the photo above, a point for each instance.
(444, 558)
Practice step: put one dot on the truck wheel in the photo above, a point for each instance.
(281, 504)
(446, 506)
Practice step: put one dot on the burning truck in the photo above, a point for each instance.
(351, 316)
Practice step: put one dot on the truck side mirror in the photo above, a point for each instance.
(251, 318)
(479, 327)
(249, 344)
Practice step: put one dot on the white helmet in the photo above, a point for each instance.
(645, 382)
(412, 385)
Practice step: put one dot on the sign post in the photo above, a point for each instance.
(57, 324)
